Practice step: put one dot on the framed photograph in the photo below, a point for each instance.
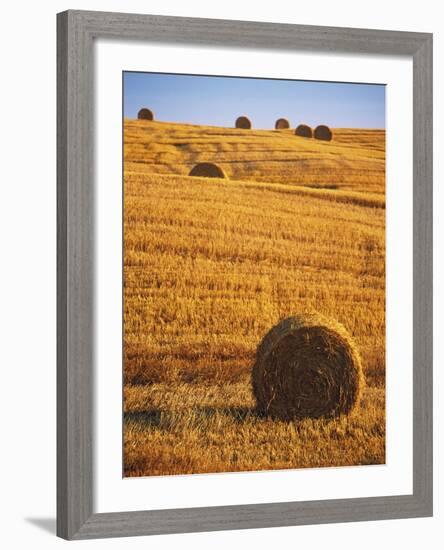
(244, 275)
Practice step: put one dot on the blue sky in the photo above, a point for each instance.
(218, 101)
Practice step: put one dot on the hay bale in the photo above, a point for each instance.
(145, 114)
(243, 122)
(323, 132)
(304, 131)
(307, 366)
(207, 170)
(282, 124)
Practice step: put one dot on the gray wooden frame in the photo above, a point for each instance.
(76, 32)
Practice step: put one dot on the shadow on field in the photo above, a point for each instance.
(162, 418)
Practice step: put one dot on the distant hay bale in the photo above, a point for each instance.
(323, 132)
(281, 124)
(243, 122)
(145, 114)
(207, 170)
(304, 131)
(307, 366)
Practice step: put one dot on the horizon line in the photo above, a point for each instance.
(135, 119)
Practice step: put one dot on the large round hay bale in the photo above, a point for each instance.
(304, 131)
(243, 122)
(207, 170)
(323, 132)
(282, 124)
(145, 114)
(307, 366)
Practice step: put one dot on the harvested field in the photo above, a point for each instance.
(210, 265)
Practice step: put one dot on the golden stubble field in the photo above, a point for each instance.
(210, 265)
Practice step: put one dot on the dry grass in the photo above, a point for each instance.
(354, 160)
(183, 429)
(211, 265)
